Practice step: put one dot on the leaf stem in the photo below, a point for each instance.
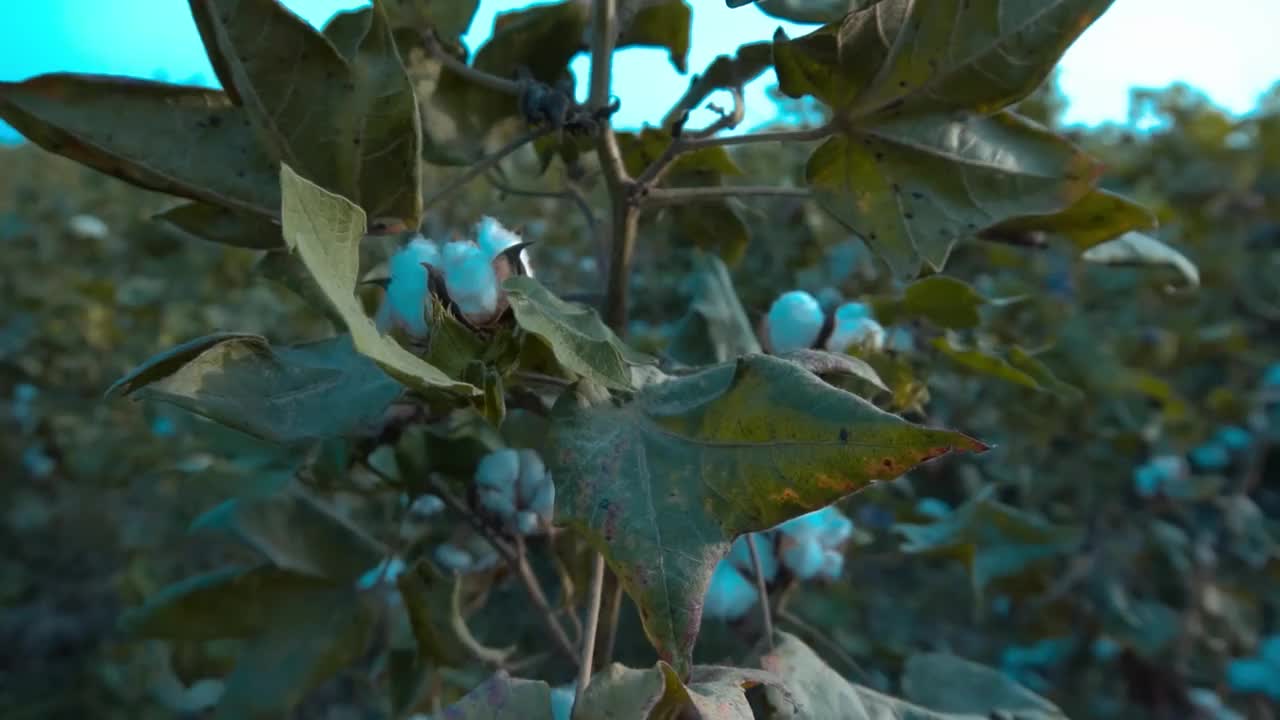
(611, 629)
(484, 164)
(660, 197)
(594, 594)
(766, 615)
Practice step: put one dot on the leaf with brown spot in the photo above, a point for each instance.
(661, 486)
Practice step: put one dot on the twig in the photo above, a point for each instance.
(567, 193)
(480, 77)
(611, 630)
(593, 625)
(765, 614)
(707, 138)
(484, 164)
(515, 559)
(660, 197)
(656, 169)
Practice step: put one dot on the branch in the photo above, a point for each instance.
(484, 164)
(603, 36)
(661, 197)
(727, 121)
(567, 193)
(480, 77)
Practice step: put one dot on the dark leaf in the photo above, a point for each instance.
(809, 11)
(295, 532)
(944, 301)
(1134, 248)
(712, 693)
(717, 328)
(582, 343)
(664, 24)
(952, 684)
(503, 697)
(434, 605)
(1095, 218)
(185, 141)
(225, 226)
(662, 485)
(286, 395)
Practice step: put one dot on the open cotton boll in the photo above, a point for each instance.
(740, 555)
(543, 503)
(426, 506)
(1210, 457)
(1233, 437)
(88, 227)
(533, 476)
(562, 702)
(804, 556)
(495, 479)
(470, 280)
(860, 331)
(1252, 675)
(406, 299)
(494, 239)
(452, 557)
(794, 322)
(730, 595)
(832, 564)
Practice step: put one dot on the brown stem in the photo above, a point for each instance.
(611, 629)
(594, 594)
(660, 197)
(766, 616)
(480, 77)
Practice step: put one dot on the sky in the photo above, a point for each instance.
(1225, 49)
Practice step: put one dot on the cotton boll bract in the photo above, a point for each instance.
(730, 595)
(794, 322)
(405, 303)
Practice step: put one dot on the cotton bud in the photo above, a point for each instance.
(855, 326)
(88, 227)
(730, 595)
(405, 304)
(740, 555)
(794, 322)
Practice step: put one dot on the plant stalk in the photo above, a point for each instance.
(594, 594)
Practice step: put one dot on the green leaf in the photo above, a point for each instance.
(1095, 218)
(711, 226)
(940, 681)
(994, 540)
(434, 605)
(582, 343)
(306, 646)
(812, 11)
(1044, 377)
(223, 225)
(453, 346)
(543, 38)
(503, 697)
(284, 268)
(664, 24)
(347, 29)
(901, 57)
(363, 142)
(717, 328)
(944, 301)
(234, 602)
(913, 187)
(449, 18)
(185, 141)
(285, 395)
(748, 63)
(639, 150)
(986, 364)
(1137, 249)
(295, 532)
(818, 692)
(662, 485)
(325, 231)
(829, 365)
(712, 693)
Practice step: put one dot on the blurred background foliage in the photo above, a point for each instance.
(1113, 600)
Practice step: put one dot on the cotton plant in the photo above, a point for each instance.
(515, 487)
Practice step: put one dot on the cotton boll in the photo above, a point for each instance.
(862, 332)
(406, 300)
(494, 239)
(527, 523)
(426, 506)
(88, 227)
(803, 556)
(495, 479)
(1271, 377)
(740, 555)
(836, 527)
(1210, 457)
(386, 571)
(1251, 675)
(470, 280)
(730, 596)
(1234, 438)
(544, 502)
(533, 475)
(933, 507)
(794, 322)
(562, 702)
(832, 564)
(1269, 651)
(452, 557)
(1147, 480)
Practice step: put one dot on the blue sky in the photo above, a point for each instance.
(1224, 48)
